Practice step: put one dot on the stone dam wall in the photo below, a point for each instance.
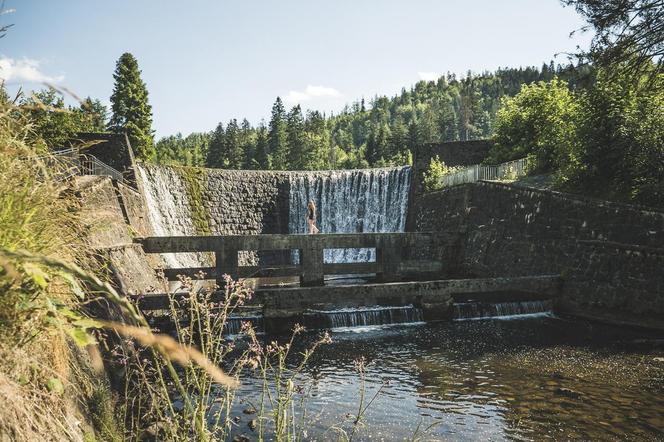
(611, 255)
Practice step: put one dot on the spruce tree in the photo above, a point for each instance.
(262, 148)
(233, 154)
(277, 137)
(215, 153)
(131, 111)
(247, 143)
(295, 138)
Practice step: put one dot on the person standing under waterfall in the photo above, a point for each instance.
(311, 217)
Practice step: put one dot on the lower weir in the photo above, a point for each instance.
(358, 317)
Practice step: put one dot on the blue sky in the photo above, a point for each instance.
(209, 61)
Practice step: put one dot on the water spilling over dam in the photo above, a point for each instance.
(366, 200)
(371, 200)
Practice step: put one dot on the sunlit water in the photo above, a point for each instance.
(525, 379)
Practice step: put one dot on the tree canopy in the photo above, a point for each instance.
(131, 111)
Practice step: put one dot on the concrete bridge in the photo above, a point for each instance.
(406, 273)
(395, 254)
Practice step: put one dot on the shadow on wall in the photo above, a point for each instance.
(452, 153)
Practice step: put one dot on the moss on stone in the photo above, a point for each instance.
(193, 179)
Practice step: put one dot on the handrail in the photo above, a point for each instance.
(479, 172)
(73, 163)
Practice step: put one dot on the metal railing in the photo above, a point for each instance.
(478, 172)
(90, 165)
(68, 163)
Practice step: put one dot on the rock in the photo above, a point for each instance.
(567, 392)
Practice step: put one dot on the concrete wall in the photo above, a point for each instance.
(611, 255)
(112, 216)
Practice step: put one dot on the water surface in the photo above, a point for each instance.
(526, 379)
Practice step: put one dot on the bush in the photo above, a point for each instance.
(434, 174)
(539, 121)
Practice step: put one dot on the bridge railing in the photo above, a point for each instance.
(391, 261)
(509, 170)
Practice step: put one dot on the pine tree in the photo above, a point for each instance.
(247, 142)
(215, 154)
(131, 111)
(296, 138)
(263, 159)
(277, 137)
(233, 154)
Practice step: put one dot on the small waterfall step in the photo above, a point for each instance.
(359, 317)
(233, 325)
(482, 310)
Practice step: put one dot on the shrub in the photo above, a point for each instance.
(434, 174)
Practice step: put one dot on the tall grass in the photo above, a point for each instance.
(190, 403)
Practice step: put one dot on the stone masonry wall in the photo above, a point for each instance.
(246, 202)
(611, 255)
(452, 153)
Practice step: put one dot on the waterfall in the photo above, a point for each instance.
(233, 324)
(362, 317)
(368, 200)
(169, 211)
(481, 310)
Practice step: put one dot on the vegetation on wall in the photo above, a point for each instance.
(193, 177)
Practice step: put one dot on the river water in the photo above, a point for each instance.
(535, 378)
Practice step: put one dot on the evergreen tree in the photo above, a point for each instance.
(131, 111)
(247, 143)
(296, 138)
(233, 154)
(317, 152)
(215, 155)
(94, 115)
(277, 137)
(263, 159)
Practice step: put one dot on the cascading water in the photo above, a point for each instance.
(481, 310)
(369, 200)
(362, 317)
(169, 211)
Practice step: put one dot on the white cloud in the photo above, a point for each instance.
(429, 76)
(310, 92)
(24, 70)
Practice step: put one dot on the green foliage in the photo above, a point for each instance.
(621, 131)
(131, 111)
(54, 124)
(277, 137)
(193, 177)
(606, 140)
(540, 122)
(436, 171)
(627, 35)
(191, 150)
(387, 132)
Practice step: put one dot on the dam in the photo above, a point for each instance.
(483, 311)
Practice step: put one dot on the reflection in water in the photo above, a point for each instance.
(526, 379)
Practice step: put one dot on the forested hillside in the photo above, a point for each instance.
(383, 131)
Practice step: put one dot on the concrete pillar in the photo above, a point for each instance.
(311, 260)
(226, 262)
